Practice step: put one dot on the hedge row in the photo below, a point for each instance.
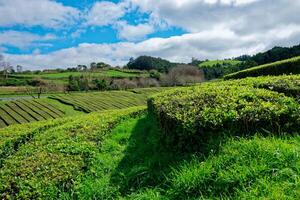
(190, 116)
(287, 84)
(103, 100)
(23, 111)
(49, 163)
(289, 66)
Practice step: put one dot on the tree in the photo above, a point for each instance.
(93, 66)
(72, 84)
(183, 75)
(19, 68)
(39, 87)
(5, 67)
(149, 63)
(102, 65)
(100, 84)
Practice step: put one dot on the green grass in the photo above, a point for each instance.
(211, 63)
(132, 164)
(65, 75)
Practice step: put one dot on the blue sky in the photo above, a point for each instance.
(42, 34)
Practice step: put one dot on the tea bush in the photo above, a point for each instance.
(288, 66)
(190, 116)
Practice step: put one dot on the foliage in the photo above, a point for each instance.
(289, 66)
(247, 168)
(23, 111)
(48, 164)
(142, 168)
(287, 84)
(218, 68)
(273, 55)
(96, 101)
(149, 63)
(182, 75)
(191, 116)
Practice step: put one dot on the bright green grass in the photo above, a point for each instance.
(65, 75)
(210, 63)
(133, 164)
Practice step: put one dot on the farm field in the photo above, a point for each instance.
(60, 105)
(65, 75)
(25, 111)
(96, 101)
(211, 63)
(210, 141)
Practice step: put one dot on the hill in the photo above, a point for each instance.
(236, 139)
(273, 55)
(288, 66)
(218, 68)
(26, 110)
(150, 63)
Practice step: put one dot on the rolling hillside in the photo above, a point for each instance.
(234, 139)
(289, 66)
(61, 105)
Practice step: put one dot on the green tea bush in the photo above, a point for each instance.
(287, 84)
(289, 66)
(50, 160)
(190, 116)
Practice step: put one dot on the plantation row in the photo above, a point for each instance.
(23, 111)
(90, 102)
(289, 66)
(287, 84)
(43, 160)
(196, 114)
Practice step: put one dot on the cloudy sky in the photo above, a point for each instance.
(41, 34)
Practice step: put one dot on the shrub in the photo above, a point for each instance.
(289, 66)
(190, 116)
(287, 84)
(52, 159)
(182, 75)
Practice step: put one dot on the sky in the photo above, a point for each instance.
(39, 34)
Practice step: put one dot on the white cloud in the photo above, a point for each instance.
(46, 13)
(105, 13)
(24, 39)
(242, 16)
(219, 43)
(133, 32)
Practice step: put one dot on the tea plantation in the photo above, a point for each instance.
(236, 139)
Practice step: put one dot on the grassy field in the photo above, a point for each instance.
(97, 74)
(211, 63)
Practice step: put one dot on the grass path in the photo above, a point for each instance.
(133, 164)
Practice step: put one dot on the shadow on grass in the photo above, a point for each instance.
(147, 162)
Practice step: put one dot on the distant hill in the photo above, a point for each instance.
(211, 63)
(150, 63)
(287, 66)
(218, 68)
(272, 55)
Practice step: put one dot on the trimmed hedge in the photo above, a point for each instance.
(287, 84)
(49, 158)
(289, 66)
(190, 116)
